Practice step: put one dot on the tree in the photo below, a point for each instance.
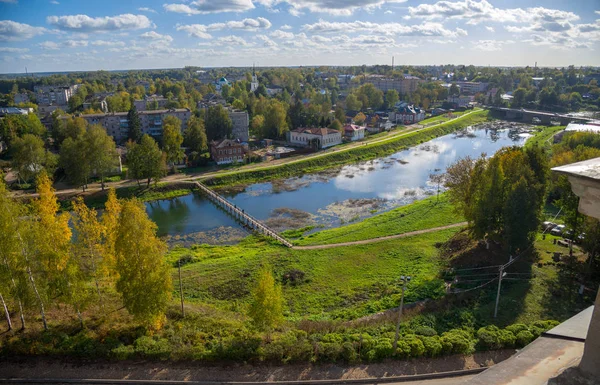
(275, 125)
(360, 118)
(145, 160)
(340, 114)
(391, 98)
(518, 98)
(454, 90)
(110, 225)
(194, 137)
(172, 140)
(101, 152)
(16, 126)
(75, 162)
(30, 158)
(266, 308)
(134, 125)
(218, 123)
(73, 128)
(144, 281)
(257, 125)
(352, 103)
(336, 125)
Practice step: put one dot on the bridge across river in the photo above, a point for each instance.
(240, 215)
(528, 116)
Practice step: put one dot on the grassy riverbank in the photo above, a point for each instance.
(345, 156)
(542, 136)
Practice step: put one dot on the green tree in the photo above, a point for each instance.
(134, 124)
(194, 137)
(336, 125)
(266, 308)
(73, 128)
(257, 125)
(391, 98)
(101, 152)
(172, 140)
(275, 125)
(16, 126)
(454, 90)
(218, 123)
(31, 158)
(144, 279)
(352, 103)
(145, 160)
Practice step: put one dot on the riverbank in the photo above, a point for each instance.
(337, 158)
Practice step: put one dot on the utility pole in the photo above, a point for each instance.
(404, 281)
(500, 275)
(181, 290)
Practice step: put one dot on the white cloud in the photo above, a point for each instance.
(210, 6)
(146, 9)
(196, 30)
(285, 27)
(232, 40)
(279, 34)
(333, 7)
(105, 43)
(491, 29)
(94, 24)
(13, 50)
(557, 41)
(425, 29)
(49, 45)
(388, 12)
(54, 2)
(267, 42)
(9, 1)
(13, 31)
(490, 45)
(75, 43)
(151, 35)
(477, 11)
(246, 24)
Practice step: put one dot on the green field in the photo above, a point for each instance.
(424, 214)
(542, 136)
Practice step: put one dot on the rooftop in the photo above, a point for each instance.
(588, 169)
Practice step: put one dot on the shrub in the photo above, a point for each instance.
(507, 339)
(433, 345)
(489, 337)
(516, 328)
(349, 353)
(417, 349)
(425, 331)
(383, 348)
(153, 348)
(457, 341)
(329, 351)
(524, 337)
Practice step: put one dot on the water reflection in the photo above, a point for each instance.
(354, 191)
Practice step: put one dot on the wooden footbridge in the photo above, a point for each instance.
(240, 215)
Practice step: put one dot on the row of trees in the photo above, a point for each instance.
(42, 263)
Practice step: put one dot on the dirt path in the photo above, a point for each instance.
(373, 240)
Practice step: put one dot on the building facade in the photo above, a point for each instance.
(117, 125)
(240, 121)
(404, 86)
(315, 137)
(227, 151)
(407, 114)
(55, 95)
(353, 132)
(151, 102)
(472, 88)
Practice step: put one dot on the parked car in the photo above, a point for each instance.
(558, 230)
(548, 225)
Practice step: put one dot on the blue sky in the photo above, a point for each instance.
(67, 35)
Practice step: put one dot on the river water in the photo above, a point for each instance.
(333, 198)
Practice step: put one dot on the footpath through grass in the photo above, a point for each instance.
(543, 136)
(424, 214)
(342, 156)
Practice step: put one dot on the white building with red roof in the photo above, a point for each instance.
(315, 137)
(354, 132)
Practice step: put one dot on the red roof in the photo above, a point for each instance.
(353, 127)
(315, 131)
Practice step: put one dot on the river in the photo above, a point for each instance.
(333, 198)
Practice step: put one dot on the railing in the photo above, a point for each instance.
(240, 215)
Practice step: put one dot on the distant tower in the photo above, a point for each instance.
(392, 64)
(254, 83)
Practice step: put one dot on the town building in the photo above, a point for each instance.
(240, 123)
(55, 95)
(405, 85)
(407, 114)
(459, 101)
(315, 137)
(227, 151)
(21, 97)
(472, 88)
(254, 82)
(353, 132)
(4, 111)
(117, 125)
(152, 102)
(97, 101)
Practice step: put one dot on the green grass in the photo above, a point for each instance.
(424, 214)
(338, 283)
(542, 136)
(344, 156)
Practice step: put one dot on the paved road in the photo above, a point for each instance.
(373, 240)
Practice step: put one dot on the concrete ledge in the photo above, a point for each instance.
(575, 328)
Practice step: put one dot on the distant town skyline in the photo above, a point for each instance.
(69, 35)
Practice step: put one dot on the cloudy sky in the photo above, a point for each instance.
(66, 35)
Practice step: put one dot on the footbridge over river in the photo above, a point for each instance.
(240, 215)
(536, 117)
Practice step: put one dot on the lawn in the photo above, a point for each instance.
(336, 283)
(542, 136)
(424, 214)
